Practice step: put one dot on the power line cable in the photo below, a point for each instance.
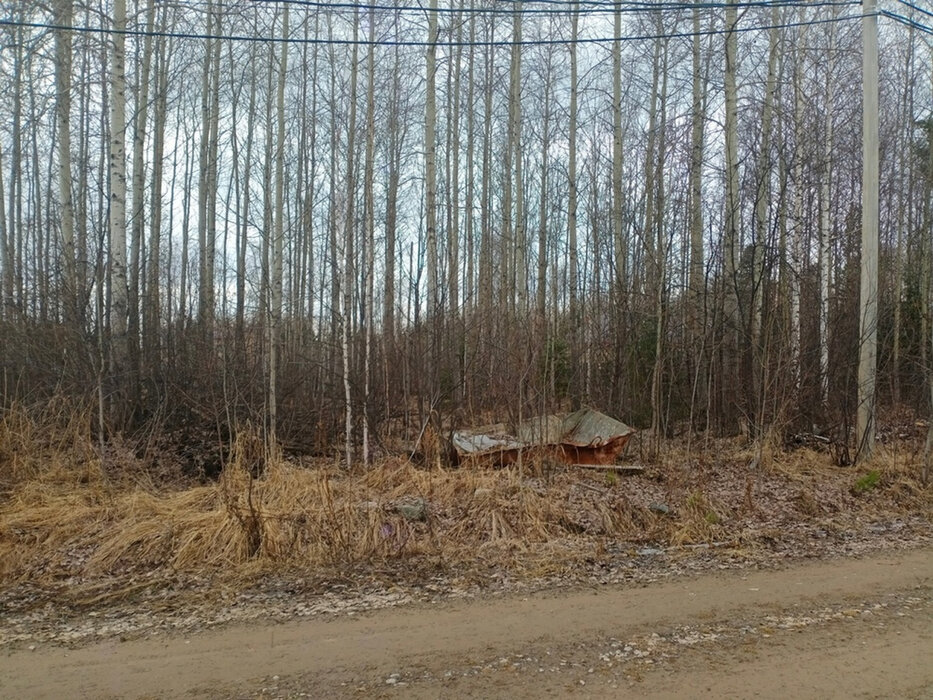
(907, 22)
(109, 31)
(685, 5)
(592, 8)
(928, 13)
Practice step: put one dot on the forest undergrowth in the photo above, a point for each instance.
(76, 515)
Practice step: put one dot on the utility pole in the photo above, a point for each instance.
(868, 291)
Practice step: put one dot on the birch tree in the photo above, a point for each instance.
(138, 215)
(275, 319)
(430, 156)
(763, 178)
(152, 313)
(868, 287)
(370, 233)
(119, 309)
(518, 283)
(732, 214)
(620, 253)
(824, 242)
(346, 212)
(63, 11)
(573, 281)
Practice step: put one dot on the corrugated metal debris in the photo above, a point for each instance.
(583, 437)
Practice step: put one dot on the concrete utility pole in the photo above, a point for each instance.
(868, 292)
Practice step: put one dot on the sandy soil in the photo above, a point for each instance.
(834, 628)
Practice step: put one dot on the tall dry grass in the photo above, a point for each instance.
(65, 514)
(65, 517)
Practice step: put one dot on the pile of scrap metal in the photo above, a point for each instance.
(585, 437)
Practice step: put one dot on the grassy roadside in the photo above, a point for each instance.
(68, 513)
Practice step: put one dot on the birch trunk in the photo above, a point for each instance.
(620, 253)
(661, 266)
(541, 281)
(519, 282)
(5, 260)
(453, 151)
(394, 166)
(868, 287)
(903, 194)
(731, 233)
(151, 325)
(648, 227)
(243, 228)
(573, 282)
(82, 199)
(63, 115)
(430, 150)
(118, 306)
(275, 320)
(347, 276)
(926, 336)
(207, 182)
(762, 205)
(825, 243)
(14, 228)
(138, 217)
(485, 246)
(926, 331)
(369, 206)
(336, 211)
(797, 253)
(696, 279)
(469, 292)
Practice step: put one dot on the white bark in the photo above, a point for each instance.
(485, 250)
(520, 289)
(138, 217)
(651, 170)
(6, 262)
(572, 181)
(620, 252)
(368, 271)
(118, 190)
(696, 186)
(345, 216)
(151, 326)
(731, 234)
(660, 263)
(825, 243)
(928, 297)
(868, 289)
(541, 279)
(63, 116)
(732, 353)
(453, 154)
(796, 245)
(279, 237)
(430, 154)
(469, 294)
(762, 203)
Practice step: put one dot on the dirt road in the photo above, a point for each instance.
(838, 628)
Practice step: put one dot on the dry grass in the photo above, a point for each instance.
(66, 521)
(36, 442)
(62, 516)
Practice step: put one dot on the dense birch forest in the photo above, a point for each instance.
(342, 222)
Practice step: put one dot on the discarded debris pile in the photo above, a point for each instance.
(585, 437)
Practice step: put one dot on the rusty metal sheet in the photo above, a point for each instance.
(583, 437)
(541, 430)
(589, 428)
